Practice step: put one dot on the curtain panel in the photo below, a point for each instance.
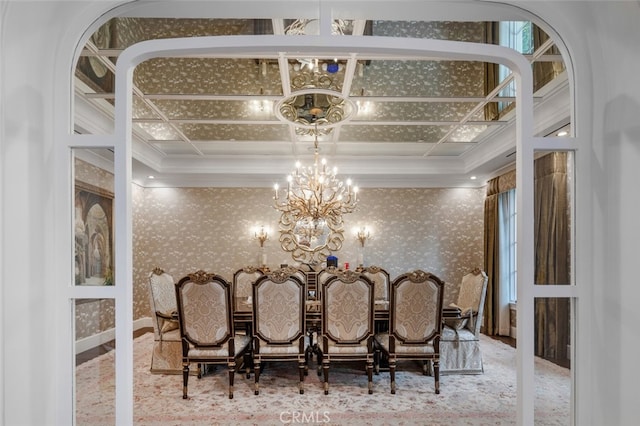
(493, 303)
(491, 258)
(552, 231)
(552, 253)
(491, 77)
(544, 72)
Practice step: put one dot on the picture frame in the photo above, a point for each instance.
(93, 232)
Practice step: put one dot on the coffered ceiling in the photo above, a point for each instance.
(224, 120)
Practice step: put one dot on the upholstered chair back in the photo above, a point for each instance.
(279, 307)
(380, 278)
(162, 300)
(204, 302)
(323, 276)
(347, 300)
(473, 290)
(243, 280)
(416, 313)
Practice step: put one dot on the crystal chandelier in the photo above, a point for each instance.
(311, 209)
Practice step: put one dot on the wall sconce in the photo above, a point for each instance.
(261, 235)
(362, 235)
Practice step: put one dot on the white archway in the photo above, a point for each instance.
(527, 144)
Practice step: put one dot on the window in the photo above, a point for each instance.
(518, 36)
(508, 243)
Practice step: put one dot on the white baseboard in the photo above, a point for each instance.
(96, 340)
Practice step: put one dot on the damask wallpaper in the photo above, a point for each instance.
(184, 229)
(181, 230)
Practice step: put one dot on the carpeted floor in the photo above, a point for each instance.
(487, 399)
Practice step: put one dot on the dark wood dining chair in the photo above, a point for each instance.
(347, 322)
(205, 315)
(415, 324)
(279, 322)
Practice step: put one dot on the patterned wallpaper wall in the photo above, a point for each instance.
(185, 229)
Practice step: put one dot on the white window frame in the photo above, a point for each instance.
(508, 244)
(510, 34)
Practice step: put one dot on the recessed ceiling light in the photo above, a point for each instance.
(562, 133)
(151, 177)
(473, 178)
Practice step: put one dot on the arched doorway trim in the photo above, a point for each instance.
(527, 144)
(256, 45)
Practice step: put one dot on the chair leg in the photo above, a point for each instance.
(308, 355)
(370, 375)
(247, 360)
(232, 372)
(185, 379)
(392, 374)
(436, 374)
(256, 377)
(325, 369)
(319, 362)
(302, 368)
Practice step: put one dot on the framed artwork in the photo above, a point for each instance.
(93, 235)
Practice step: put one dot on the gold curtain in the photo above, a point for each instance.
(495, 186)
(552, 253)
(544, 72)
(491, 257)
(491, 73)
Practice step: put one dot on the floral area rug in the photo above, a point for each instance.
(486, 399)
